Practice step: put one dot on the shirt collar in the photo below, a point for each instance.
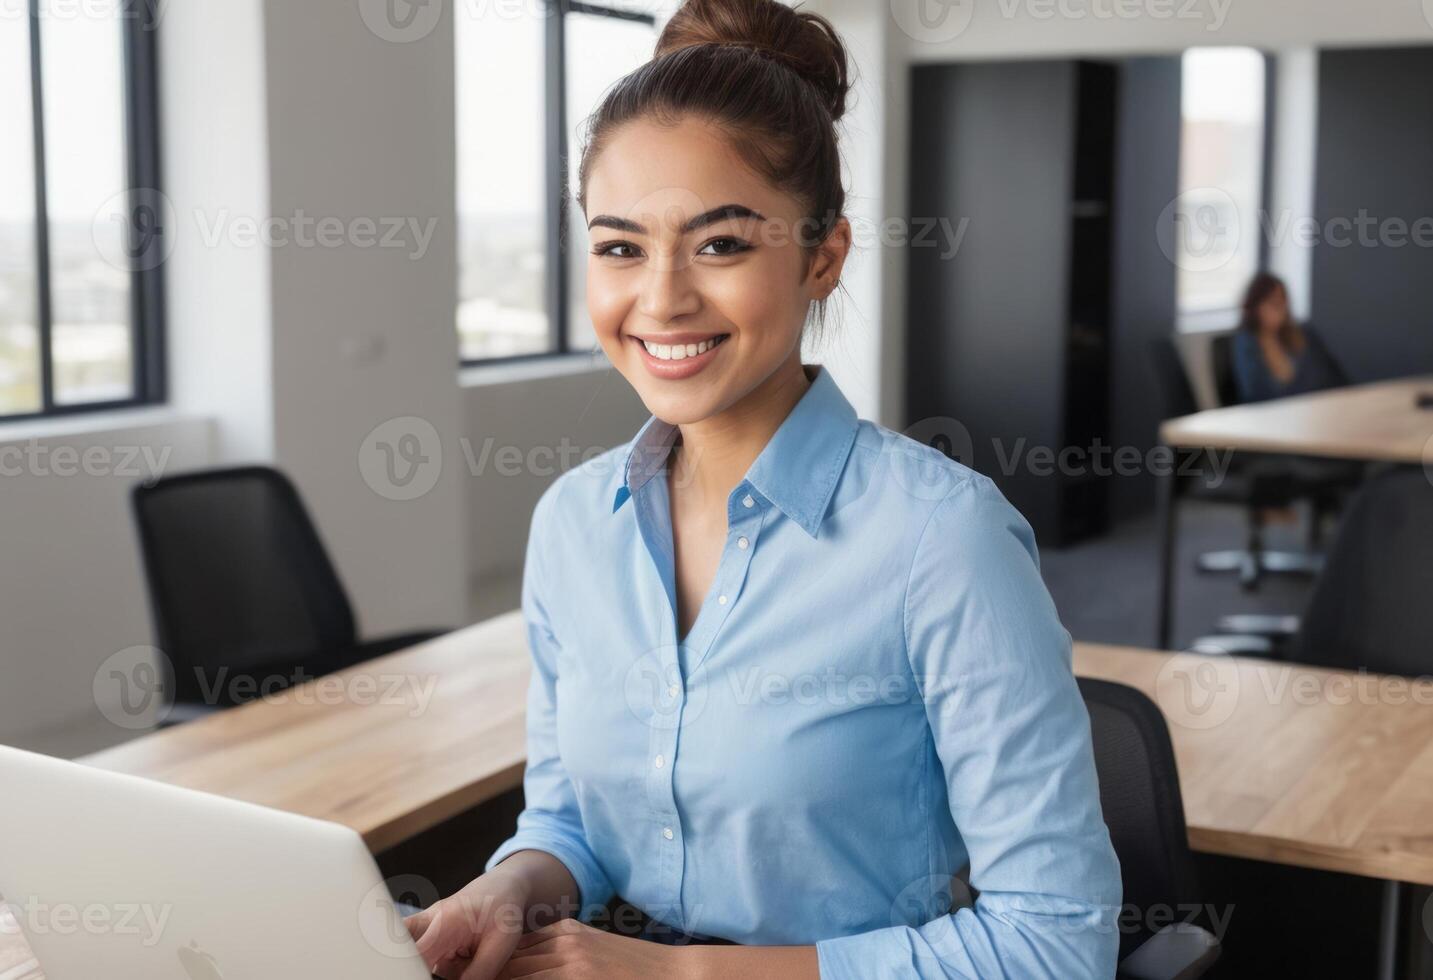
(798, 468)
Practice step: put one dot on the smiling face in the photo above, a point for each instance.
(697, 283)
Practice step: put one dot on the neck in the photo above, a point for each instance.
(715, 454)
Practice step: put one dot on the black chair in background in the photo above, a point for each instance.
(1370, 611)
(1370, 608)
(244, 596)
(1143, 808)
(1252, 490)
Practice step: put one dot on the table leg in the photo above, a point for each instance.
(1389, 938)
(1168, 488)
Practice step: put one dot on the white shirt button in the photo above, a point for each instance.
(747, 502)
(667, 833)
(742, 543)
(659, 762)
(673, 691)
(721, 599)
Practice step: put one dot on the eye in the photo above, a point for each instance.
(725, 246)
(611, 248)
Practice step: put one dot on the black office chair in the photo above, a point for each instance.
(1324, 483)
(1370, 609)
(1143, 808)
(244, 597)
(1252, 490)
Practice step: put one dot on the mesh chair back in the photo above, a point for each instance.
(1139, 791)
(1176, 393)
(1221, 356)
(238, 577)
(1370, 608)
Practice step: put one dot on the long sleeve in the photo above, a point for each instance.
(1251, 377)
(551, 820)
(993, 665)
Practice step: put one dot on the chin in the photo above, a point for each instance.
(678, 407)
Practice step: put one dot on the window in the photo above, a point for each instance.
(532, 81)
(1217, 228)
(82, 232)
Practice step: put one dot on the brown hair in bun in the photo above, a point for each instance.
(775, 78)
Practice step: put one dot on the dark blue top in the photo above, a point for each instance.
(1314, 369)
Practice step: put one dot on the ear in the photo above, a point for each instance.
(829, 260)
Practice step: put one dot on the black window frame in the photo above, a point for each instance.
(555, 186)
(139, 22)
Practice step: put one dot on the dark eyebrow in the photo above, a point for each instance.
(724, 212)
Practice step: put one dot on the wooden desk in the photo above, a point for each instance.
(1375, 422)
(1379, 422)
(376, 753)
(1295, 765)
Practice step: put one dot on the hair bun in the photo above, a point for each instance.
(804, 42)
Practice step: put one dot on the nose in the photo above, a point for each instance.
(667, 291)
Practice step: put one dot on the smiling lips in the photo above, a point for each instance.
(678, 356)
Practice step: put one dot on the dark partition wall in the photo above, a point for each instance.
(1008, 336)
(1146, 180)
(1373, 288)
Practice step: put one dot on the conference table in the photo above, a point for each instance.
(1342, 779)
(1381, 422)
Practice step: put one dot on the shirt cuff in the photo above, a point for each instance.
(594, 890)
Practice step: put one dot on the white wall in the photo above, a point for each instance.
(519, 435)
(71, 588)
(361, 134)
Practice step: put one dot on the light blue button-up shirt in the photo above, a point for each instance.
(876, 696)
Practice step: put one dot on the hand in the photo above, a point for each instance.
(470, 935)
(570, 950)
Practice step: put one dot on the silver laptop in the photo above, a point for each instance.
(115, 877)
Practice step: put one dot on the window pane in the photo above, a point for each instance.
(502, 232)
(1221, 177)
(600, 50)
(19, 336)
(81, 52)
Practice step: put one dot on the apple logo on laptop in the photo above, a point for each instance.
(199, 965)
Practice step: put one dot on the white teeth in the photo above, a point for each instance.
(677, 352)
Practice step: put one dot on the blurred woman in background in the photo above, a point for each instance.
(1274, 356)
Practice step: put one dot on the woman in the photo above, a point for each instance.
(792, 671)
(1273, 356)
